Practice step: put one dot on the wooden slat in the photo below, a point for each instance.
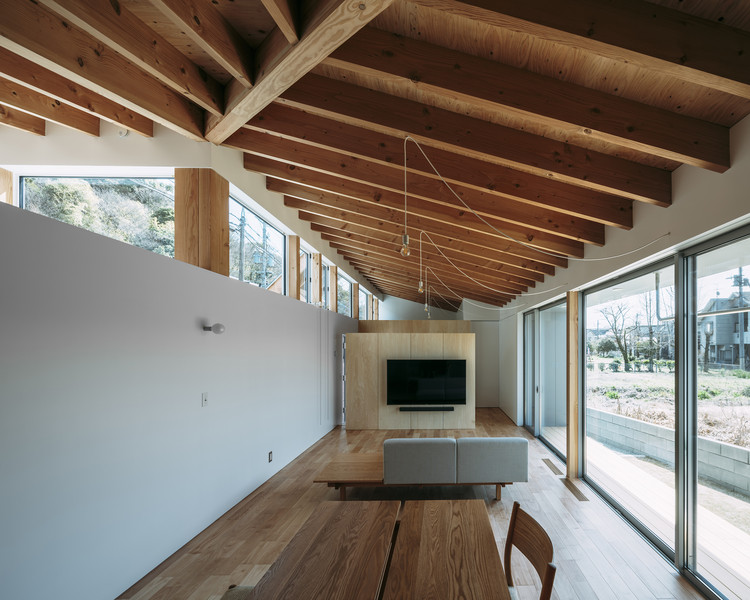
(292, 268)
(375, 309)
(573, 392)
(122, 31)
(316, 278)
(461, 134)
(435, 220)
(333, 288)
(488, 84)
(21, 120)
(33, 76)
(20, 97)
(186, 215)
(283, 15)
(331, 23)
(669, 41)
(335, 142)
(205, 25)
(219, 223)
(41, 36)
(355, 301)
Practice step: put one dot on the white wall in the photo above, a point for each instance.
(703, 204)
(488, 383)
(109, 462)
(398, 309)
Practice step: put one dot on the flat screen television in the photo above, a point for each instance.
(426, 381)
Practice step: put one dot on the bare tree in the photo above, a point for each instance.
(616, 315)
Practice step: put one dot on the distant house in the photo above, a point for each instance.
(722, 324)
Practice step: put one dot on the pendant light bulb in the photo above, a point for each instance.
(427, 310)
(405, 247)
(421, 287)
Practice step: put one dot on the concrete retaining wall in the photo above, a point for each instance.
(725, 464)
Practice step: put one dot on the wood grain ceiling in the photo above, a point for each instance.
(548, 119)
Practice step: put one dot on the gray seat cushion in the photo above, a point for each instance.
(419, 460)
(492, 460)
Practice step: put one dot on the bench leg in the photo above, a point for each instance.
(342, 492)
(498, 490)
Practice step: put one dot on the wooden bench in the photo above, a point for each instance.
(366, 470)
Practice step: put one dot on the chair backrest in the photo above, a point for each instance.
(530, 538)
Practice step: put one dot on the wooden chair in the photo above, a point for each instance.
(530, 538)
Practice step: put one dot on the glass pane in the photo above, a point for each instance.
(529, 381)
(137, 211)
(630, 397)
(256, 249)
(344, 296)
(326, 303)
(723, 418)
(362, 304)
(553, 376)
(304, 288)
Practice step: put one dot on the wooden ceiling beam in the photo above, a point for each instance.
(22, 98)
(547, 101)
(464, 276)
(284, 14)
(454, 249)
(424, 192)
(460, 258)
(479, 139)
(118, 28)
(328, 25)
(18, 69)
(22, 121)
(398, 290)
(671, 42)
(462, 225)
(43, 37)
(462, 172)
(208, 29)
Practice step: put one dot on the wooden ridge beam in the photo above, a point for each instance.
(124, 32)
(208, 29)
(329, 24)
(22, 121)
(488, 84)
(462, 172)
(20, 70)
(24, 99)
(473, 137)
(671, 42)
(43, 37)
(283, 13)
(462, 225)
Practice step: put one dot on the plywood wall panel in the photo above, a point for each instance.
(415, 326)
(462, 345)
(391, 345)
(362, 376)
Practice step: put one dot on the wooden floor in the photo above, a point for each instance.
(597, 554)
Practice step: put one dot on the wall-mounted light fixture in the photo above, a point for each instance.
(217, 328)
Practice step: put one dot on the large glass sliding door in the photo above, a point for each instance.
(553, 377)
(629, 399)
(719, 404)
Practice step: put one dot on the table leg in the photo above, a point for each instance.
(342, 492)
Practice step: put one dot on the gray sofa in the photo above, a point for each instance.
(446, 461)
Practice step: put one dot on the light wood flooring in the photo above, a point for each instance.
(597, 554)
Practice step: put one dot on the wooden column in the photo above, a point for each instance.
(6, 186)
(355, 300)
(375, 315)
(316, 279)
(573, 384)
(292, 261)
(333, 288)
(201, 219)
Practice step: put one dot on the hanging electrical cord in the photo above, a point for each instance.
(495, 229)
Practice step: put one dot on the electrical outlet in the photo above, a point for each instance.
(204, 399)
(270, 456)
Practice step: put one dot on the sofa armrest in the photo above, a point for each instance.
(492, 460)
(414, 461)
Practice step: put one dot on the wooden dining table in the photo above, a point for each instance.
(385, 549)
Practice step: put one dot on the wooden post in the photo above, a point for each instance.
(375, 310)
(355, 300)
(316, 279)
(333, 288)
(201, 219)
(6, 186)
(292, 261)
(572, 384)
